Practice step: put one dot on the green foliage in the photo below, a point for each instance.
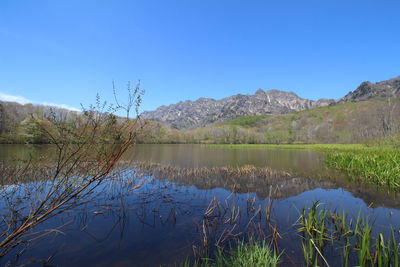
(322, 232)
(251, 254)
(246, 121)
(342, 123)
(379, 166)
(322, 147)
(321, 229)
(278, 137)
(33, 133)
(313, 227)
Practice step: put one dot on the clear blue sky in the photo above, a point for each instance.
(64, 52)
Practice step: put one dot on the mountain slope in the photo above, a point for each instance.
(204, 111)
(192, 114)
(351, 122)
(15, 126)
(367, 90)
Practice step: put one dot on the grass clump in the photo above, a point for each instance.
(313, 228)
(325, 234)
(374, 164)
(377, 166)
(253, 254)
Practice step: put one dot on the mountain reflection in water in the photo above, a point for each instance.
(122, 226)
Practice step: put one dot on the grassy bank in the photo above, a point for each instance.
(376, 164)
(336, 147)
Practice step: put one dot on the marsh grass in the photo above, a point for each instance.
(323, 147)
(378, 166)
(324, 231)
(249, 171)
(253, 254)
(324, 236)
(313, 228)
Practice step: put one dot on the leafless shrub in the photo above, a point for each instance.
(86, 148)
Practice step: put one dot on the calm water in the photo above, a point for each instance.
(158, 224)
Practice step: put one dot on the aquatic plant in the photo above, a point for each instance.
(321, 229)
(378, 166)
(323, 234)
(313, 228)
(253, 254)
(375, 164)
(249, 171)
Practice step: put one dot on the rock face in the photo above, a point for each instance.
(203, 111)
(192, 114)
(367, 90)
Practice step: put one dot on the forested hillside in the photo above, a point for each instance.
(369, 112)
(205, 111)
(16, 121)
(351, 122)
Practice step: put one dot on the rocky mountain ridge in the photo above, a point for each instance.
(192, 114)
(203, 111)
(367, 90)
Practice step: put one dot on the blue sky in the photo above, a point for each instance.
(64, 52)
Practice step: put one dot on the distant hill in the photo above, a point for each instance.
(15, 120)
(205, 111)
(371, 111)
(352, 122)
(368, 90)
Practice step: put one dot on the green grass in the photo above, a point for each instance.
(321, 229)
(325, 235)
(336, 147)
(313, 227)
(379, 166)
(376, 164)
(245, 121)
(244, 255)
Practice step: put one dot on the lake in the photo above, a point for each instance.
(160, 222)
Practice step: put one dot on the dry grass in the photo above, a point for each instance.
(249, 171)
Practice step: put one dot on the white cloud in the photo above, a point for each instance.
(14, 98)
(59, 106)
(22, 100)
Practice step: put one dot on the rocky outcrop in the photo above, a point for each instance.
(192, 114)
(367, 90)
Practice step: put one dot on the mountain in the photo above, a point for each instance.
(192, 114)
(367, 90)
(204, 111)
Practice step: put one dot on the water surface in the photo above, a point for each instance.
(159, 223)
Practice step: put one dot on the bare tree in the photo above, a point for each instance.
(87, 147)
